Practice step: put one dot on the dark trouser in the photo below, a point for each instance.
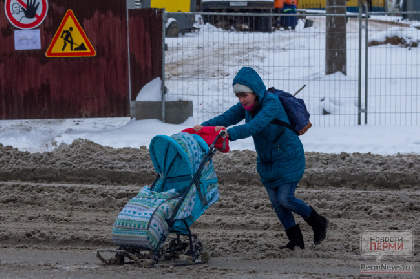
(284, 203)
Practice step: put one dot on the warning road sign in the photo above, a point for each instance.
(70, 40)
(26, 15)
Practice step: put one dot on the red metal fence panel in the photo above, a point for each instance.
(145, 28)
(38, 87)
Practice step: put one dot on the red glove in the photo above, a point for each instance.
(208, 134)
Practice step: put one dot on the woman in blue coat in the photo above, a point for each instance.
(281, 159)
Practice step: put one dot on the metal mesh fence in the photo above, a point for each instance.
(200, 66)
(393, 72)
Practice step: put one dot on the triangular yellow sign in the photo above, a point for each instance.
(70, 40)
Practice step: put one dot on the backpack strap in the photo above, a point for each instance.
(284, 124)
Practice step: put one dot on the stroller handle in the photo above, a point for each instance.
(222, 134)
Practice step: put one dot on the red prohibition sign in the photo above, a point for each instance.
(26, 14)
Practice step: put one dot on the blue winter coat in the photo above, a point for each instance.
(280, 152)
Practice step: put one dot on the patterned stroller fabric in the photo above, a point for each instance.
(142, 222)
(176, 159)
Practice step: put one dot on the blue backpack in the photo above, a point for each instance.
(296, 111)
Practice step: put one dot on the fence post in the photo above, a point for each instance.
(366, 60)
(361, 27)
(131, 104)
(163, 87)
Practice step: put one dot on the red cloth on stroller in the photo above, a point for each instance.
(208, 134)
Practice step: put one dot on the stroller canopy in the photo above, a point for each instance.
(177, 159)
(178, 155)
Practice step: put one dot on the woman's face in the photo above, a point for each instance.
(246, 98)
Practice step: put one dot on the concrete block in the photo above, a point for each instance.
(176, 112)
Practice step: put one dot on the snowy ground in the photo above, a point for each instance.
(201, 66)
(46, 135)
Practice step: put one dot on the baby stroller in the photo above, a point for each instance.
(185, 186)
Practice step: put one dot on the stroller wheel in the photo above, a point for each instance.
(119, 259)
(202, 255)
(199, 247)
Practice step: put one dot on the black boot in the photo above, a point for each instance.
(319, 224)
(295, 238)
